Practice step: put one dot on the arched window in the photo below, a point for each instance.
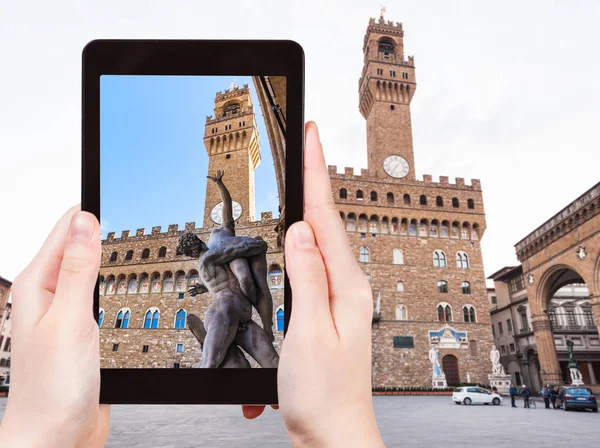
(180, 281)
(168, 282)
(439, 201)
(406, 199)
(412, 228)
(280, 318)
(401, 313)
(122, 320)
(374, 224)
(351, 222)
(442, 286)
(373, 195)
(145, 253)
(363, 223)
(275, 277)
(364, 255)
(455, 202)
(151, 318)
(473, 348)
(423, 200)
(121, 284)
(470, 203)
(400, 286)
(390, 198)
(129, 255)
(162, 252)
(444, 229)
(343, 193)
(100, 318)
(469, 314)
(386, 46)
(179, 319)
(359, 195)
(113, 257)
(439, 259)
(398, 256)
(193, 278)
(144, 283)
(444, 312)
(111, 285)
(155, 283)
(462, 260)
(466, 288)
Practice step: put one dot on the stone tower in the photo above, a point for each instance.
(232, 144)
(386, 87)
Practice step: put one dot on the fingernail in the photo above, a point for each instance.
(312, 131)
(82, 226)
(303, 236)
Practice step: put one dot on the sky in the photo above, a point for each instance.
(153, 162)
(507, 93)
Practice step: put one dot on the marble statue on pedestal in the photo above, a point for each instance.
(574, 370)
(438, 378)
(498, 379)
(497, 368)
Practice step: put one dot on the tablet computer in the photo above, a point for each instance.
(192, 162)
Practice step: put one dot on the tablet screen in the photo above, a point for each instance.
(191, 207)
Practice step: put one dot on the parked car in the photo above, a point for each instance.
(577, 398)
(475, 395)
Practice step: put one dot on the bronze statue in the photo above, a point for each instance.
(233, 269)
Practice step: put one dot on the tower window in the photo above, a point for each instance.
(129, 255)
(470, 203)
(343, 193)
(227, 127)
(392, 107)
(380, 71)
(162, 252)
(373, 195)
(386, 46)
(390, 198)
(406, 199)
(145, 348)
(404, 75)
(113, 256)
(228, 156)
(115, 347)
(359, 195)
(439, 201)
(423, 199)
(455, 202)
(145, 253)
(393, 73)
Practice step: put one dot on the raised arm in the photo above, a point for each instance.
(224, 255)
(227, 211)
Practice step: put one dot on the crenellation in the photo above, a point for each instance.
(427, 178)
(190, 226)
(124, 234)
(444, 180)
(476, 184)
(155, 230)
(140, 232)
(348, 171)
(173, 228)
(460, 182)
(332, 169)
(266, 216)
(110, 236)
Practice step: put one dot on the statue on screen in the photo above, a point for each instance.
(233, 270)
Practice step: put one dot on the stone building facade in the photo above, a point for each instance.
(417, 240)
(571, 318)
(144, 282)
(5, 330)
(564, 250)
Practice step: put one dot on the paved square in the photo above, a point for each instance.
(404, 422)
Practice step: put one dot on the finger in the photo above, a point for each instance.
(251, 412)
(80, 265)
(34, 288)
(343, 272)
(306, 271)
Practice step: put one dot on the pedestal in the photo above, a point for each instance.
(439, 381)
(576, 377)
(501, 382)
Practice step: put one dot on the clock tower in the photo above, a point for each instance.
(386, 88)
(231, 141)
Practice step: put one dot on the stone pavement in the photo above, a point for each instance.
(404, 421)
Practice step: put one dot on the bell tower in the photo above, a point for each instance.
(386, 88)
(231, 141)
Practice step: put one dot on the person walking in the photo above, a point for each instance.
(513, 393)
(546, 395)
(553, 395)
(526, 394)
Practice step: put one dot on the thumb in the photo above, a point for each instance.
(308, 279)
(80, 265)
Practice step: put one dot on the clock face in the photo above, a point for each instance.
(396, 166)
(217, 212)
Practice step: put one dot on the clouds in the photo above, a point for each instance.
(507, 93)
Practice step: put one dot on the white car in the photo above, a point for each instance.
(475, 395)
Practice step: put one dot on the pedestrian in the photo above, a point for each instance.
(526, 395)
(513, 393)
(546, 395)
(553, 396)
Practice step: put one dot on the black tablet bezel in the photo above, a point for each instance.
(193, 57)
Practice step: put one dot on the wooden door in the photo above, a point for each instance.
(450, 366)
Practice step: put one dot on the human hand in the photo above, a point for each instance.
(218, 178)
(55, 368)
(324, 377)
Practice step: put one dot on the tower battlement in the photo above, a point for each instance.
(233, 92)
(444, 181)
(266, 218)
(245, 111)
